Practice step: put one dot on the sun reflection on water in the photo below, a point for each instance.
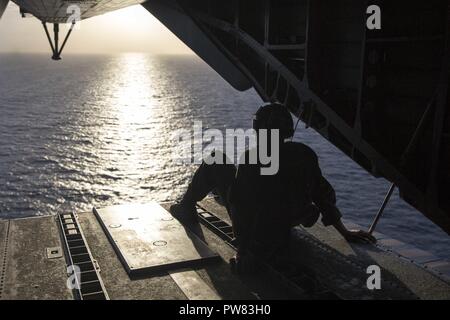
(130, 134)
(133, 90)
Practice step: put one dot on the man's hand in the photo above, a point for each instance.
(359, 236)
(354, 235)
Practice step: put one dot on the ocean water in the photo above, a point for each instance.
(98, 130)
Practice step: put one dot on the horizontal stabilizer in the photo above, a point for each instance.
(63, 11)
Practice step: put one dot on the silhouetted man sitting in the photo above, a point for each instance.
(263, 208)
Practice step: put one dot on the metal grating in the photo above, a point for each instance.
(4, 256)
(219, 227)
(77, 252)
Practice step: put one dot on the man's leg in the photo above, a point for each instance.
(206, 178)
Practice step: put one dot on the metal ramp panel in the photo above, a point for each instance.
(147, 239)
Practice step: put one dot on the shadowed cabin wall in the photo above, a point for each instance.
(364, 90)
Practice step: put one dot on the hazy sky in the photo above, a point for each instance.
(132, 29)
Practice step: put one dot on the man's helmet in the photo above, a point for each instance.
(274, 116)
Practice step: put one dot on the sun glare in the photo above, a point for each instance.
(134, 18)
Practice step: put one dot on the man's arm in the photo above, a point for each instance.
(354, 235)
(324, 198)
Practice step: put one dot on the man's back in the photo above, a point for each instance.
(265, 206)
